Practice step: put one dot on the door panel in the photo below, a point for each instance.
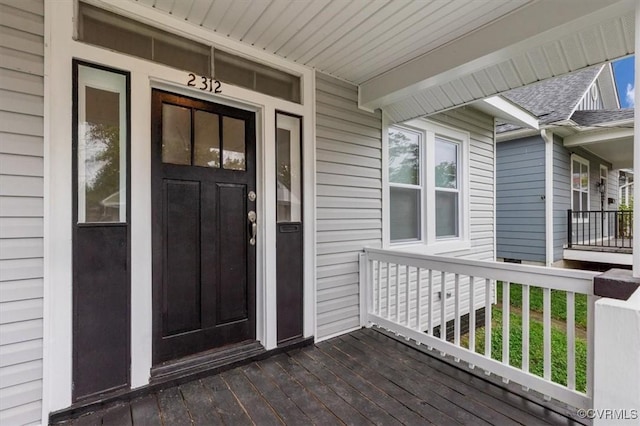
(232, 290)
(203, 264)
(182, 257)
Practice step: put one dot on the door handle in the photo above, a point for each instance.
(254, 227)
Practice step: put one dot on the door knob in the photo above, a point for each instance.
(254, 227)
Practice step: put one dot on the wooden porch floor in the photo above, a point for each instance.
(361, 378)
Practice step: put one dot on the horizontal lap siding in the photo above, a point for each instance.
(481, 179)
(520, 169)
(349, 200)
(561, 196)
(21, 209)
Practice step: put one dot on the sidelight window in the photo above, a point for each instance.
(288, 168)
(101, 145)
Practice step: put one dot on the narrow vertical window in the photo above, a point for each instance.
(405, 185)
(447, 189)
(102, 145)
(579, 184)
(288, 169)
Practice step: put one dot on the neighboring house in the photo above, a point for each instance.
(571, 162)
(183, 177)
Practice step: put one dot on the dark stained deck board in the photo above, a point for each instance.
(224, 402)
(119, 415)
(172, 408)
(323, 393)
(257, 408)
(146, 411)
(420, 387)
(499, 399)
(287, 410)
(351, 395)
(318, 413)
(373, 393)
(442, 386)
(199, 402)
(361, 378)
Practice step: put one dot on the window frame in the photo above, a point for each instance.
(583, 162)
(428, 243)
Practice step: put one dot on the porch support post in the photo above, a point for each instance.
(548, 195)
(616, 390)
(636, 147)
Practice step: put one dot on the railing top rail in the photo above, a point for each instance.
(600, 211)
(547, 277)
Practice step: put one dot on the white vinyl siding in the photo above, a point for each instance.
(349, 200)
(21, 210)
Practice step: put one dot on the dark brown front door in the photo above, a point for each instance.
(203, 170)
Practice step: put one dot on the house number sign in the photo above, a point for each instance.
(204, 83)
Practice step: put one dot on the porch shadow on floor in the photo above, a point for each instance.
(364, 377)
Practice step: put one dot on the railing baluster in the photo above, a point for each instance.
(406, 303)
(571, 341)
(546, 313)
(388, 291)
(525, 327)
(418, 297)
(443, 306)
(430, 303)
(398, 293)
(487, 318)
(456, 324)
(506, 304)
(378, 287)
(472, 314)
(590, 325)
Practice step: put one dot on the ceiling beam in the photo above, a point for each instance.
(533, 25)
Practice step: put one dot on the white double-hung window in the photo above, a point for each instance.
(427, 184)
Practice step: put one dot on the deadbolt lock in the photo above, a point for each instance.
(252, 196)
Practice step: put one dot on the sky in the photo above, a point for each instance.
(623, 71)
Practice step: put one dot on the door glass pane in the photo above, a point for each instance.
(233, 143)
(176, 134)
(585, 202)
(102, 142)
(206, 128)
(446, 214)
(405, 213)
(288, 163)
(446, 167)
(404, 157)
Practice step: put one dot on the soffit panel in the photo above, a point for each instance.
(596, 44)
(351, 40)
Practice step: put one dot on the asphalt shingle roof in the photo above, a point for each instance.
(554, 99)
(602, 116)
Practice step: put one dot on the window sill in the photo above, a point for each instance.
(436, 248)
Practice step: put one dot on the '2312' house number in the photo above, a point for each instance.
(206, 84)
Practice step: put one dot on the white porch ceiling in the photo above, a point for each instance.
(381, 45)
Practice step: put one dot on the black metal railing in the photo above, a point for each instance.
(600, 228)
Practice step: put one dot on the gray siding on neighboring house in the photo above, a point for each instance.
(520, 205)
(21, 209)
(349, 200)
(561, 195)
(562, 190)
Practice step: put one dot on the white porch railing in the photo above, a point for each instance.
(404, 293)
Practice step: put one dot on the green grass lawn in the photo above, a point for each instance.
(558, 335)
